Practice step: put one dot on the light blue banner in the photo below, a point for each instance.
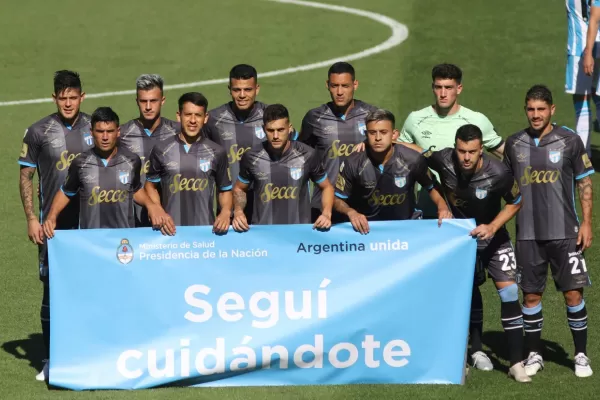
(278, 305)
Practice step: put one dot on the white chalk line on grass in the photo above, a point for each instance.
(399, 34)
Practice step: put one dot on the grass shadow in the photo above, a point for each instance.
(30, 349)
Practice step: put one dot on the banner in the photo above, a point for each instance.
(278, 305)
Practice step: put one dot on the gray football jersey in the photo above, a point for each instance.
(546, 171)
(333, 136)
(188, 174)
(281, 186)
(140, 141)
(50, 146)
(105, 188)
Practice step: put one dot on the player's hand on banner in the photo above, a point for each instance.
(584, 237)
(240, 223)
(444, 214)
(35, 231)
(48, 230)
(161, 220)
(323, 222)
(221, 224)
(359, 222)
(588, 63)
(484, 232)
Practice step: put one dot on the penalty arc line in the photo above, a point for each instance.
(399, 34)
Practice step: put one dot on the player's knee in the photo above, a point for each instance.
(573, 297)
(531, 300)
(509, 293)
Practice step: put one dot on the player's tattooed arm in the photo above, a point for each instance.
(26, 190)
(34, 228)
(584, 237)
(239, 223)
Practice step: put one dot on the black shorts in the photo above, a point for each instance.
(566, 260)
(43, 261)
(497, 257)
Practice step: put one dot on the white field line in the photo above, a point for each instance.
(399, 34)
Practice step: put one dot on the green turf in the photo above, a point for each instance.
(503, 49)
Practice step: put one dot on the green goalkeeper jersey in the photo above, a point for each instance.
(426, 128)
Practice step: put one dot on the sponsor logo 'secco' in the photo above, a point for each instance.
(181, 184)
(272, 192)
(379, 199)
(531, 176)
(98, 196)
(65, 160)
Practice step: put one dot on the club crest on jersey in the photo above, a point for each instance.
(125, 252)
(296, 173)
(124, 177)
(87, 137)
(204, 164)
(259, 133)
(362, 128)
(400, 181)
(554, 156)
(480, 193)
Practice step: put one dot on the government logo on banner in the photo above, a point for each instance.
(125, 252)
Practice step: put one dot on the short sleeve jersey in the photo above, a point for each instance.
(235, 136)
(281, 186)
(333, 136)
(106, 188)
(480, 195)
(140, 141)
(546, 171)
(50, 146)
(383, 192)
(188, 174)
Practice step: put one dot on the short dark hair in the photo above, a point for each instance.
(446, 71)
(243, 72)
(66, 79)
(195, 98)
(468, 132)
(539, 92)
(341, 67)
(275, 112)
(380, 115)
(104, 114)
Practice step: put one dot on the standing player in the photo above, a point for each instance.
(140, 135)
(378, 183)
(279, 169)
(436, 125)
(188, 166)
(49, 146)
(581, 75)
(108, 180)
(238, 125)
(334, 128)
(548, 161)
(475, 185)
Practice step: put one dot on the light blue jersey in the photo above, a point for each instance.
(578, 12)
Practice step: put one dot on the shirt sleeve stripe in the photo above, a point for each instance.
(153, 180)
(27, 164)
(496, 146)
(70, 194)
(320, 180)
(588, 173)
(226, 188)
(517, 200)
(341, 196)
(245, 181)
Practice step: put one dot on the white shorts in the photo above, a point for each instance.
(577, 82)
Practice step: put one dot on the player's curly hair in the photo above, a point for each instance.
(539, 92)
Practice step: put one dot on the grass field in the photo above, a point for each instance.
(503, 48)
